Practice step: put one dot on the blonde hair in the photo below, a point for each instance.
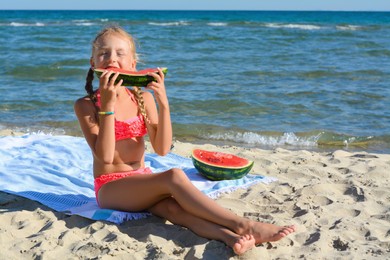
(90, 76)
(116, 30)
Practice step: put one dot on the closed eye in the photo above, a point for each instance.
(103, 53)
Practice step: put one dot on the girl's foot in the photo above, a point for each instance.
(243, 244)
(264, 232)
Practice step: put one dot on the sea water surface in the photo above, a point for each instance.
(300, 80)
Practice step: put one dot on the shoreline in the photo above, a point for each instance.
(338, 200)
(320, 147)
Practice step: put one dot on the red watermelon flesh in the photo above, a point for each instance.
(220, 159)
(220, 166)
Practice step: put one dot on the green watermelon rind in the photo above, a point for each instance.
(132, 80)
(217, 173)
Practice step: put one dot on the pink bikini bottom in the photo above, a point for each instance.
(103, 179)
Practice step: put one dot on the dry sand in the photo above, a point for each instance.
(340, 202)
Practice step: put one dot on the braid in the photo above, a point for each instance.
(89, 87)
(141, 103)
(91, 93)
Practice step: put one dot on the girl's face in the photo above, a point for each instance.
(113, 50)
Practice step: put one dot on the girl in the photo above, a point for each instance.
(114, 121)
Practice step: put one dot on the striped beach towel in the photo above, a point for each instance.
(57, 172)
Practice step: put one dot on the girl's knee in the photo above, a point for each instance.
(177, 176)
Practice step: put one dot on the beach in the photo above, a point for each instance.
(303, 94)
(338, 200)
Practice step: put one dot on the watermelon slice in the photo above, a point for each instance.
(133, 78)
(220, 166)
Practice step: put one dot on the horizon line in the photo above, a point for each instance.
(233, 10)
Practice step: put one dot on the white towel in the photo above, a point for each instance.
(57, 172)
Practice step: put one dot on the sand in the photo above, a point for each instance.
(340, 202)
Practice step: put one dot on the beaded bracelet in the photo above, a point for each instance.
(106, 113)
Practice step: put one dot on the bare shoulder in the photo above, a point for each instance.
(86, 114)
(148, 99)
(147, 95)
(83, 104)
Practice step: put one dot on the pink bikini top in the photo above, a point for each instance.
(133, 127)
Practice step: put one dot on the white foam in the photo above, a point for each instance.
(16, 24)
(348, 27)
(294, 26)
(85, 24)
(257, 139)
(217, 24)
(180, 23)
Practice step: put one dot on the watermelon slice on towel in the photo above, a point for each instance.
(220, 166)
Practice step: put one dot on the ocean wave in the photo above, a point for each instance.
(85, 24)
(179, 23)
(54, 23)
(80, 20)
(217, 24)
(252, 138)
(16, 24)
(307, 140)
(293, 26)
(348, 27)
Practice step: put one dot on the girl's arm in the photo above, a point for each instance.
(100, 135)
(159, 125)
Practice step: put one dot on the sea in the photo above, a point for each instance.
(311, 80)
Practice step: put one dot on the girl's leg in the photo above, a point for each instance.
(140, 192)
(172, 211)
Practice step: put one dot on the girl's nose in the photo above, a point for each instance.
(112, 57)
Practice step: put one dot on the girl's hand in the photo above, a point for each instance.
(158, 87)
(108, 89)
